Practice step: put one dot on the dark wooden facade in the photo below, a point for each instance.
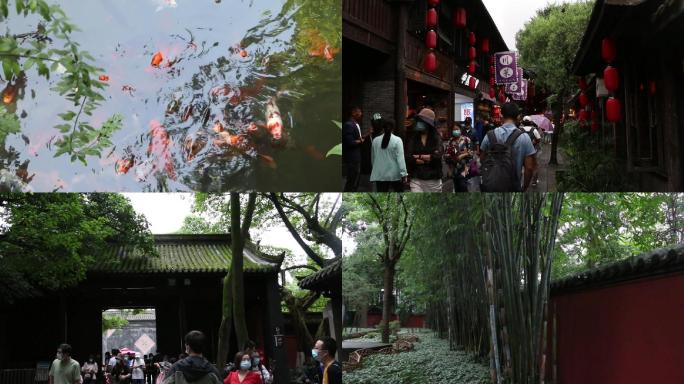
(649, 141)
(183, 285)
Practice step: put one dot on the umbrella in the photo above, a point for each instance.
(126, 351)
(542, 122)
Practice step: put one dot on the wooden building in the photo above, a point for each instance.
(184, 286)
(384, 44)
(648, 139)
(620, 323)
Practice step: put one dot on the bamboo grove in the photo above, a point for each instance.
(490, 276)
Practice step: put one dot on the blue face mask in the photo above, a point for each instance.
(456, 133)
(257, 361)
(244, 364)
(314, 354)
(420, 126)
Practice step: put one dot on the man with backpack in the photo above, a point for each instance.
(195, 368)
(532, 130)
(505, 151)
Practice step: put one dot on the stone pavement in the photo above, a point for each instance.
(546, 172)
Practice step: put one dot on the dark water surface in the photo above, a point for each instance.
(228, 61)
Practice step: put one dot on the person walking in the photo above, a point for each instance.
(243, 373)
(64, 369)
(387, 156)
(138, 370)
(194, 368)
(121, 373)
(330, 369)
(89, 371)
(459, 155)
(505, 151)
(532, 130)
(424, 155)
(352, 138)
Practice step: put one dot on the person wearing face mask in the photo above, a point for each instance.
(89, 371)
(424, 155)
(459, 154)
(121, 373)
(194, 368)
(260, 368)
(324, 352)
(243, 373)
(64, 369)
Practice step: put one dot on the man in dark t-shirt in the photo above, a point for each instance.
(324, 352)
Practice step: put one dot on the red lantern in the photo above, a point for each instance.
(502, 95)
(430, 64)
(608, 50)
(652, 87)
(594, 126)
(583, 115)
(492, 92)
(492, 70)
(493, 59)
(431, 20)
(471, 67)
(611, 78)
(583, 99)
(613, 110)
(433, 3)
(471, 38)
(484, 46)
(471, 83)
(472, 53)
(460, 17)
(583, 83)
(431, 39)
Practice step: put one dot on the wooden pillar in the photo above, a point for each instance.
(336, 302)
(400, 59)
(274, 342)
(182, 321)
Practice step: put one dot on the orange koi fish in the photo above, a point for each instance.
(104, 78)
(157, 59)
(160, 149)
(8, 94)
(123, 166)
(274, 121)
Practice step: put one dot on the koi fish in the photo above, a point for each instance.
(194, 147)
(123, 166)
(157, 59)
(8, 94)
(104, 78)
(188, 112)
(160, 149)
(274, 121)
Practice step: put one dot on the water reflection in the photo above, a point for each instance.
(214, 95)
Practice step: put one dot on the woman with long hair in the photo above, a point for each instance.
(387, 156)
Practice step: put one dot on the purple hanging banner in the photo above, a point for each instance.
(506, 67)
(517, 86)
(522, 96)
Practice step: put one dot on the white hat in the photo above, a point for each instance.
(527, 118)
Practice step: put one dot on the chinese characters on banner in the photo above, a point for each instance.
(522, 96)
(506, 67)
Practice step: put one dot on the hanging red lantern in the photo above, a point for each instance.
(492, 92)
(471, 83)
(492, 70)
(611, 79)
(493, 60)
(471, 38)
(472, 53)
(583, 115)
(430, 63)
(613, 110)
(484, 45)
(460, 17)
(594, 126)
(471, 68)
(583, 83)
(652, 87)
(431, 19)
(431, 39)
(583, 99)
(608, 50)
(433, 3)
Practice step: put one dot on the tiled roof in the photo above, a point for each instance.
(658, 262)
(325, 278)
(182, 254)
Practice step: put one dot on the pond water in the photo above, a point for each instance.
(202, 119)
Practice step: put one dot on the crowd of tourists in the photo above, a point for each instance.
(190, 367)
(436, 157)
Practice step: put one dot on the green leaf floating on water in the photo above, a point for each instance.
(336, 150)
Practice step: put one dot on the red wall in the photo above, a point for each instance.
(629, 333)
(415, 321)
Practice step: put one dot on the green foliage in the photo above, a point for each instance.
(9, 124)
(50, 240)
(113, 322)
(548, 43)
(77, 82)
(336, 150)
(430, 362)
(590, 167)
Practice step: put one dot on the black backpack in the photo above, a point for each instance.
(498, 168)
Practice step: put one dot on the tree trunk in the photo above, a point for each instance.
(387, 300)
(226, 327)
(298, 322)
(363, 316)
(558, 118)
(238, 288)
